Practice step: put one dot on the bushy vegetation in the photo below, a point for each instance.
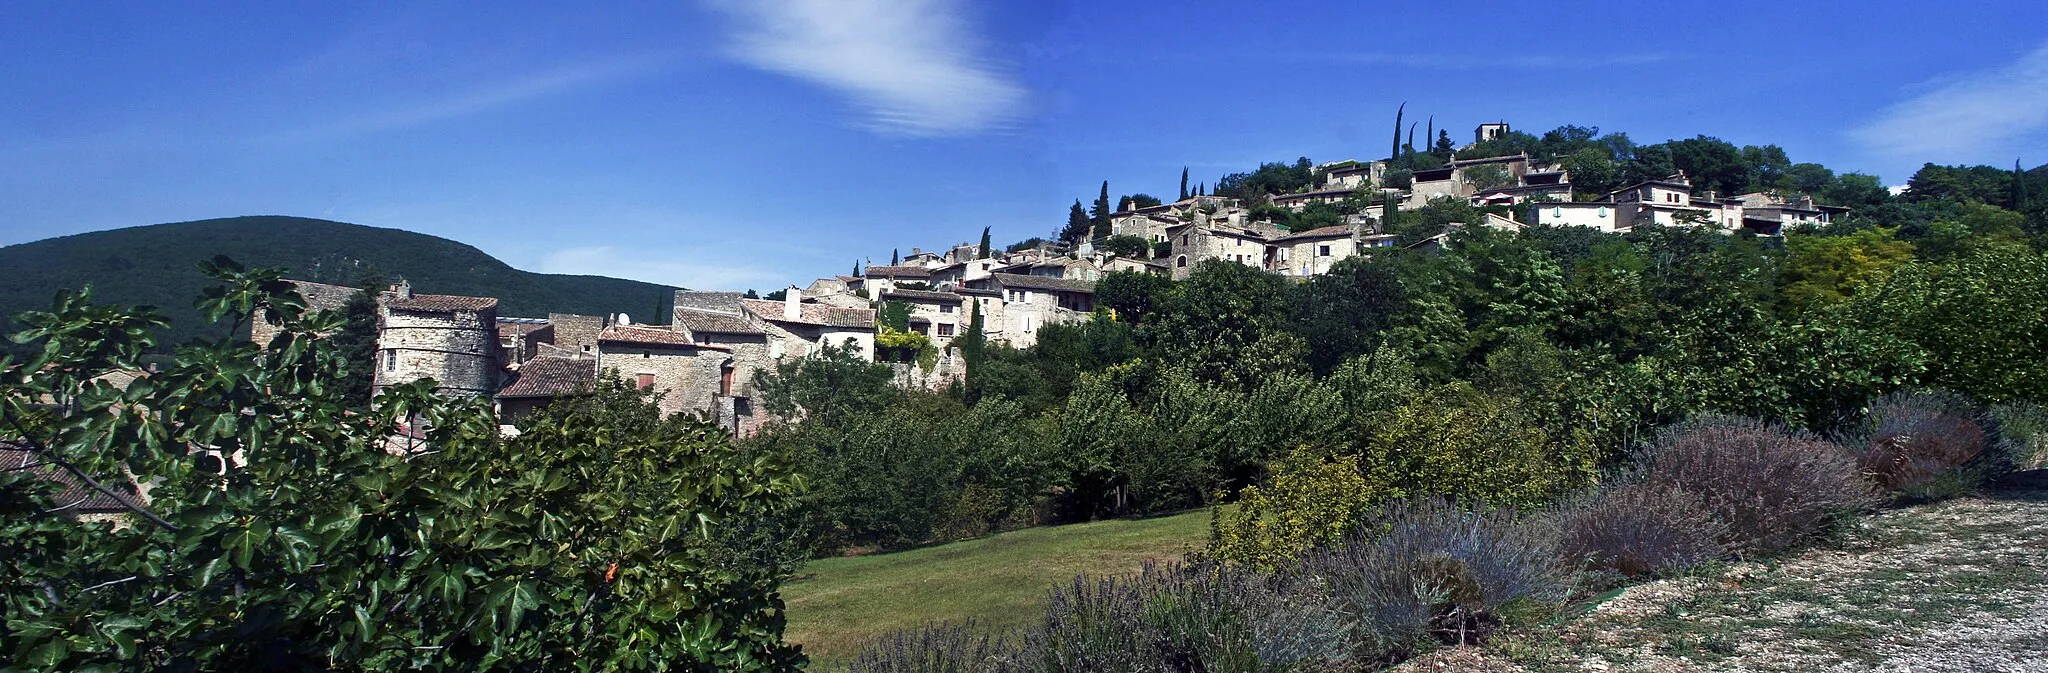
(1744, 395)
(285, 528)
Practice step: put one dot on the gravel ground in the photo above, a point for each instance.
(1957, 586)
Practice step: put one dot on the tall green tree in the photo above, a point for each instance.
(297, 540)
(1078, 224)
(1183, 183)
(1098, 216)
(985, 252)
(1395, 154)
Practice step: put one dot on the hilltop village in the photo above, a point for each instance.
(706, 357)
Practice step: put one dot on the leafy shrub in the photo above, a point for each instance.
(2022, 434)
(1429, 569)
(1772, 486)
(1637, 528)
(1922, 444)
(1311, 499)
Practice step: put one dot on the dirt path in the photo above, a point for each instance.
(1953, 586)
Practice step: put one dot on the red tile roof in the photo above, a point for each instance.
(1044, 283)
(551, 377)
(813, 314)
(75, 497)
(715, 323)
(439, 303)
(658, 336)
(1336, 231)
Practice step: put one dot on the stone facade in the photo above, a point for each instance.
(318, 296)
(689, 377)
(452, 339)
(576, 333)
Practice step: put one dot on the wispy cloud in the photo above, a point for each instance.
(1487, 61)
(1965, 115)
(916, 66)
(604, 260)
(501, 93)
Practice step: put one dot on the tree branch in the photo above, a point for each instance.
(95, 484)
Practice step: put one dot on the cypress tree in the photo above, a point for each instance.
(1397, 131)
(1183, 183)
(893, 258)
(984, 253)
(1429, 132)
(1077, 223)
(1411, 138)
(2019, 187)
(1100, 216)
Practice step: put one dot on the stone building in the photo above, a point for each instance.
(576, 333)
(1246, 244)
(797, 328)
(1594, 214)
(1031, 302)
(520, 339)
(1314, 251)
(541, 380)
(880, 279)
(1666, 202)
(937, 315)
(318, 296)
(690, 377)
(449, 338)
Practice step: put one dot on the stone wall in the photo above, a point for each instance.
(577, 333)
(458, 349)
(688, 377)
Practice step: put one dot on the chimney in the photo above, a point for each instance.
(793, 303)
(403, 289)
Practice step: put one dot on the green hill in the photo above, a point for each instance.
(156, 265)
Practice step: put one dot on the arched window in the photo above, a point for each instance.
(1182, 262)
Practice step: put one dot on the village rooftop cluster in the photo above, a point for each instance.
(708, 357)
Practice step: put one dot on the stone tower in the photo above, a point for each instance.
(449, 338)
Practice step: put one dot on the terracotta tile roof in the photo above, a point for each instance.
(813, 314)
(551, 377)
(921, 294)
(439, 303)
(715, 323)
(658, 336)
(1337, 231)
(898, 272)
(1045, 283)
(75, 497)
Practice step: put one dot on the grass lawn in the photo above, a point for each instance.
(1001, 581)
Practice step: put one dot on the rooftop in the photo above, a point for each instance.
(655, 336)
(715, 322)
(922, 295)
(813, 314)
(1335, 231)
(1044, 283)
(898, 272)
(75, 497)
(550, 376)
(438, 303)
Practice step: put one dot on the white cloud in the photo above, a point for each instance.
(1964, 116)
(915, 65)
(475, 100)
(606, 260)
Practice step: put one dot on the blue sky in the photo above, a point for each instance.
(735, 144)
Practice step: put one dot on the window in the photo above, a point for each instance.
(945, 308)
(645, 380)
(724, 382)
(390, 360)
(1181, 262)
(1322, 251)
(1557, 211)
(945, 330)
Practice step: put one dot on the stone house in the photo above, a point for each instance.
(941, 316)
(689, 376)
(1300, 202)
(539, 381)
(1595, 214)
(519, 339)
(1355, 175)
(575, 333)
(1031, 302)
(1247, 244)
(880, 279)
(319, 297)
(450, 338)
(1768, 213)
(796, 328)
(1666, 202)
(1314, 251)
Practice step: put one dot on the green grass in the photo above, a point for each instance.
(999, 581)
